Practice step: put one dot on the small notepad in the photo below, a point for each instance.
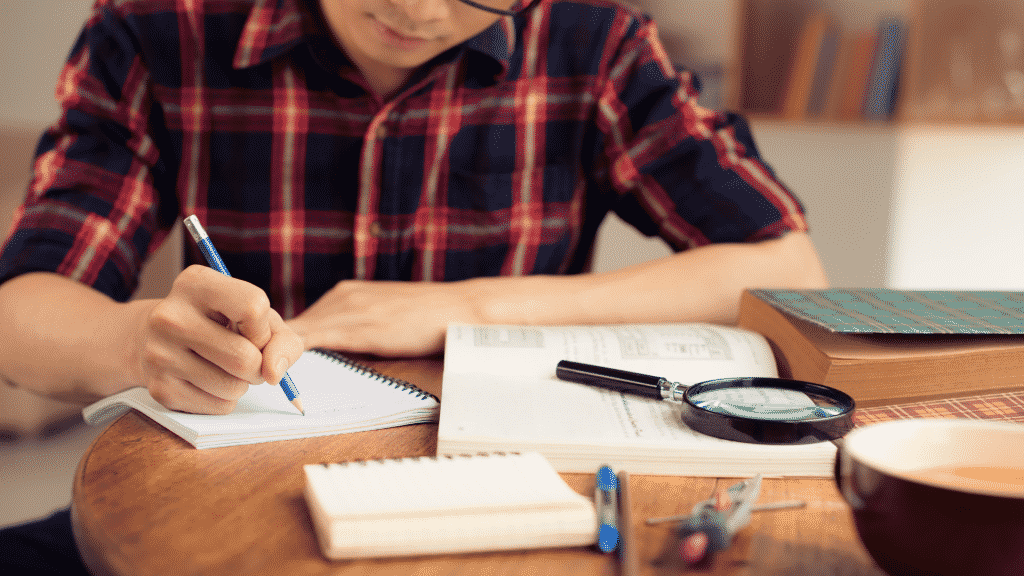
(339, 396)
(445, 505)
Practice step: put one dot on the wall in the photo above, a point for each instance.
(844, 176)
(957, 222)
(37, 37)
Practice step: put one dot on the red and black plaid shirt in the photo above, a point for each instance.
(500, 157)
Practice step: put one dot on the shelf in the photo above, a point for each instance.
(960, 62)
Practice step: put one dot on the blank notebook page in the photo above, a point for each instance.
(338, 395)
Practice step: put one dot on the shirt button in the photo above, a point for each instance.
(382, 132)
(375, 229)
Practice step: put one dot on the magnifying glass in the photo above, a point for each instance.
(755, 410)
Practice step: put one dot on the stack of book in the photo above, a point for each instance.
(890, 346)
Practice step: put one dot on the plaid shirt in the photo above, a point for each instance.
(500, 157)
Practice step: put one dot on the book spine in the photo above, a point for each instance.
(884, 84)
(858, 76)
(826, 66)
(803, 68)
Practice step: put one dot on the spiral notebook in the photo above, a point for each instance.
(445, 505)
(338, 394)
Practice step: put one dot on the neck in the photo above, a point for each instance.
(384, 84)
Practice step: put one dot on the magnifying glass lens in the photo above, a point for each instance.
(767, 410)
(767, 403)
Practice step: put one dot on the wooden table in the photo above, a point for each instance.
(146, 502)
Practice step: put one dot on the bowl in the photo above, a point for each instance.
(937, 496)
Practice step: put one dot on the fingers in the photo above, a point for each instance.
(184, 329)
(174, 385)
(194, 361)
(283, 349)
(386, 318)
(244, 305)
(358, 335)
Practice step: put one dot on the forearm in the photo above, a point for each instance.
(65, 340)
(410, 318)
(698, 285)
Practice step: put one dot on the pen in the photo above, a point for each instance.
(620, 380)
(627, 553)
(213, 259)
(605, 494)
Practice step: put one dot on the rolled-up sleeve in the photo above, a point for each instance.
(680, 171)
(91, 210)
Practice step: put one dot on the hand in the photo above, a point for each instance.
(388, 318)
(193, 360)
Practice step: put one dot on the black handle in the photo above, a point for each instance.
(610, 378)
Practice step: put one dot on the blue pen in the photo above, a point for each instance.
(213, 259)
(606, 490)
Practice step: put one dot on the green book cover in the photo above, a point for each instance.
(887, 311)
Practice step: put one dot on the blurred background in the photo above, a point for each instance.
(898, 123)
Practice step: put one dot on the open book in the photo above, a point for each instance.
(339, 396)
(413, 506)
(501, 394)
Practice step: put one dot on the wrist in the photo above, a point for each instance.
(528, 300)
(129, 325)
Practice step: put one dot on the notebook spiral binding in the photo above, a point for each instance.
(370, 372)
(418, 458)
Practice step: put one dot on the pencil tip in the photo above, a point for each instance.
(298, 404)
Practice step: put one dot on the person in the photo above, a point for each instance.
(370, 171)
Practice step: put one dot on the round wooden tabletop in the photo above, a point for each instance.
(147, 502)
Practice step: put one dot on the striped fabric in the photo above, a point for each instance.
(1005, 406)
(500, 157)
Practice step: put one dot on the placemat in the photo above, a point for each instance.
(1005, 406)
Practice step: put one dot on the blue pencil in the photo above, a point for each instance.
(213, 259)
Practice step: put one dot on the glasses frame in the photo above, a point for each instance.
(498, 11)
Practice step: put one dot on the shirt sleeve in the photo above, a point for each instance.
(91, 209)
(680, 171)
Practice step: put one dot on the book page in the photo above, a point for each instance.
(501, 393)
(560, 411)
(686, 353)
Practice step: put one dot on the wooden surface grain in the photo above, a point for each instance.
(146, 502)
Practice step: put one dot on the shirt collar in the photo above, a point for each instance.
(496, 44)
(273, 28)
(276, 26)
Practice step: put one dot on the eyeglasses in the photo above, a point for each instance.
(492, 10)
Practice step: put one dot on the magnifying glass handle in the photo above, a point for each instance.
(618, 380)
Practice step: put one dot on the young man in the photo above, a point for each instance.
(370, 170)
(337, 150)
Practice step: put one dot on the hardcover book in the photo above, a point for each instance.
(892, 346)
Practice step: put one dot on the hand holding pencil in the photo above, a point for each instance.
(211, 338)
